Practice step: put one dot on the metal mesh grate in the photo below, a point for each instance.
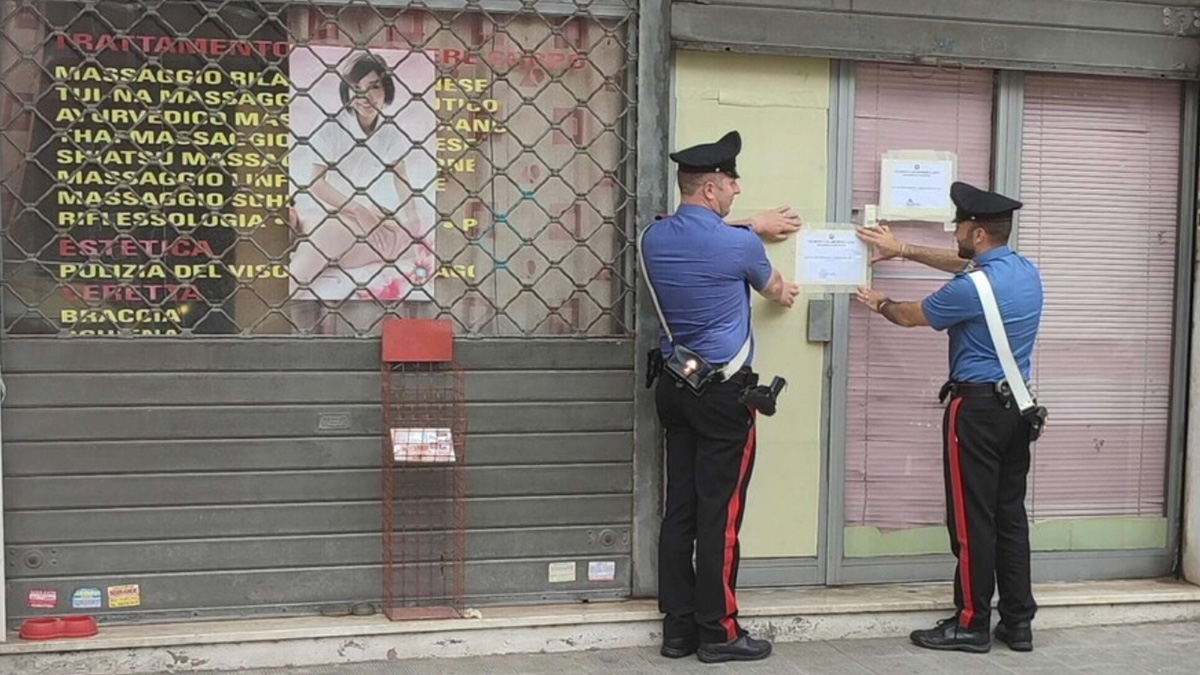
(424, 496)
(305, 168)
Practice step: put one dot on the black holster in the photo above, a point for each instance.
(1035, 416)
(654, 366)
(759, 397)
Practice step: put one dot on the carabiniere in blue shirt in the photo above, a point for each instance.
(956, 307)
(703, 269)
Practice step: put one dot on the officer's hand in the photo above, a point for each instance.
(870, 297)
(885, 243)
(790, 291)
(776, 224)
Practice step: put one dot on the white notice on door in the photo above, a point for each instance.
(832, 257)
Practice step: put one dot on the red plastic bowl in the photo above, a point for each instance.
(50, 628)
(41, 629)
(79, 626)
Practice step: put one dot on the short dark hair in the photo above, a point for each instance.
(363, 66)
(690, 183)
(998, 229)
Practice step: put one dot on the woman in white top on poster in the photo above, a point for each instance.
(368, 213)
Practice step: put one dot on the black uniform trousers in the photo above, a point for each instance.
(986, 462)
(710, 455)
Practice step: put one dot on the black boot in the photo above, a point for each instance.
(1018, 637)
(745, 648)
(949, 636)
(677, 648)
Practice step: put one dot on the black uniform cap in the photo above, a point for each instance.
(971, 203)
(719, 157)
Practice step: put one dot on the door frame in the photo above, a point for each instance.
(1006, 166)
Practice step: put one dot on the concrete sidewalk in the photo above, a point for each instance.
(795, 619)
(1165, 649)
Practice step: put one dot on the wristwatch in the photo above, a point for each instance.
(883, 303)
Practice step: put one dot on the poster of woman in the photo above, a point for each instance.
(364, 174)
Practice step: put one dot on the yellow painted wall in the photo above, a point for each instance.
(781, 107)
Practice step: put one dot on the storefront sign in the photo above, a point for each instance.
(222, 173)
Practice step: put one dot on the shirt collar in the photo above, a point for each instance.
(994, 254)
(696, 211)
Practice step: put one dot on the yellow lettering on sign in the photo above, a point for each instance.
(467, 224)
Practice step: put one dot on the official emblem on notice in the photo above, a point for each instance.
(128, 595)
(422, 445)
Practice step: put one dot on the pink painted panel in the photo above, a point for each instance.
(893, 430)
(1100, 180)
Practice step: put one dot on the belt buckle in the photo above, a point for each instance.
(1004, 392)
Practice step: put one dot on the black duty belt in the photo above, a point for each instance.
(995, 390)
(656, 365)
(757, 397)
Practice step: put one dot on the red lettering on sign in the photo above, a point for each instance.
(126, 247)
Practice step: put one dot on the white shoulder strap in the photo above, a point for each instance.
(991, 311)
(739, 359)
(662, 320)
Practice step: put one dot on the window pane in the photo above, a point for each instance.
(308, 171)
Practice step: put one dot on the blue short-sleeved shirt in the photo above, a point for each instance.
(1017, 285)
(702, 270)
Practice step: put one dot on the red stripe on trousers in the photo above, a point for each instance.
(960, 517)
(735, 510)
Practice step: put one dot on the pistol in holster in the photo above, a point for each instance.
(654, 366)
(762, 398)
(1036, 416)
